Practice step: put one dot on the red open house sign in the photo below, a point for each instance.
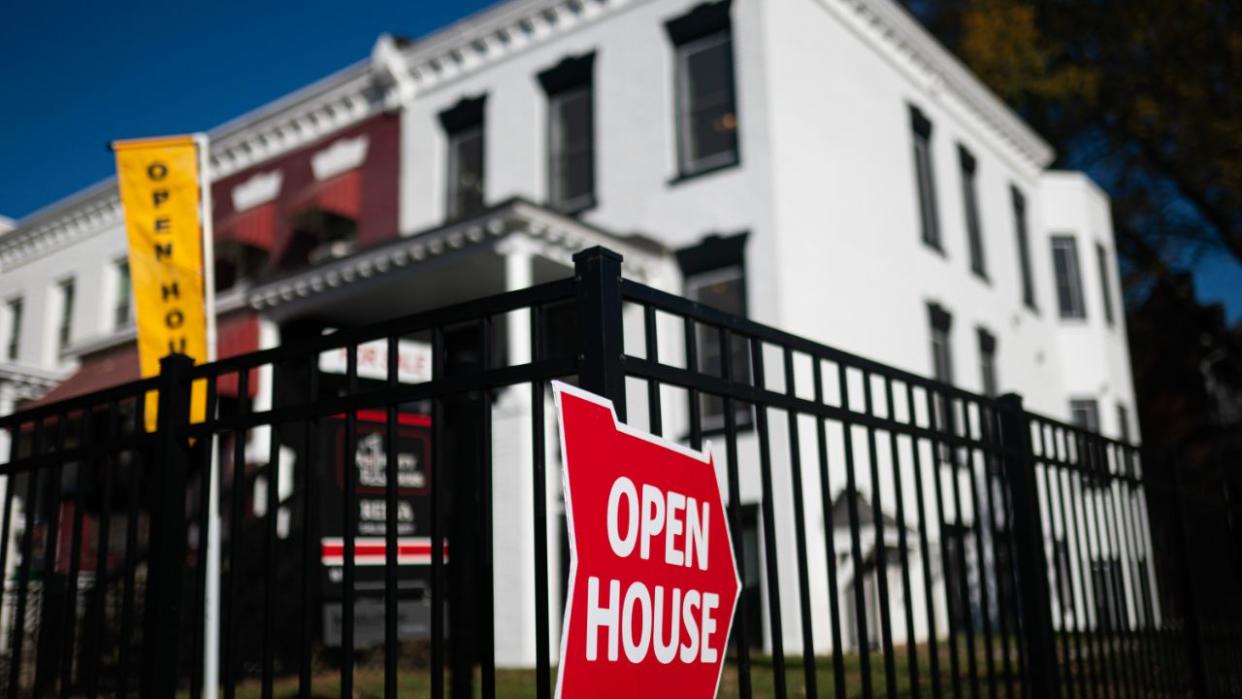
(653, 582)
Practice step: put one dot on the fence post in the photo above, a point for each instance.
(1035, 594)
(597, 273)
(166, 552)
(1193, 631)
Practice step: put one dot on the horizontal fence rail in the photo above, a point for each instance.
(400, 531)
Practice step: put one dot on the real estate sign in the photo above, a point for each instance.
(653, 582)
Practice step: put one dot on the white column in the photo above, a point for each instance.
(512, 485)
(259, 447)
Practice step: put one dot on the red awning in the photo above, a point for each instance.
(340, 195)
(237, 333)
(255, 227)
(98, 371)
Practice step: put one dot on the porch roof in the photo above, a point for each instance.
(445, 264)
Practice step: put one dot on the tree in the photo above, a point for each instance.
(1144, 96)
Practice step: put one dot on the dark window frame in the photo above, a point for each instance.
(968, 168)
(123, 308)
(1106, 283)
(67, 290)
(925, 180)
(704, 27)
(990, 380)
(1090, 407)
(15, 308)
(466, 119)
(718, 255)
(1023, 239)
(1067, 273)
(570, 79)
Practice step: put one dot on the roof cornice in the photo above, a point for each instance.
(514, 217)
(885, 20)
(317, 110)
(375, 84)
(495, 33)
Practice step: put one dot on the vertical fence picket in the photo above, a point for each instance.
(1133, 616)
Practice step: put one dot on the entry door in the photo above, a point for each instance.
(752, 592)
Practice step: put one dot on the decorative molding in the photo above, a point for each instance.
(884, 21)
(321, 108)
(27, 383)
(259, 189)
(342, 156)
(396, 73)
(556, 238)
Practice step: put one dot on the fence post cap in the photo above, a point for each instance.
(1010, 399)
(175, 360)
(596, 251)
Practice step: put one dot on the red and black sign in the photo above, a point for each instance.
(370, 475)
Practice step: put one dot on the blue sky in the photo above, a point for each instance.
(76, 75)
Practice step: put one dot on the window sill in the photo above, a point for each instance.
(706, 170)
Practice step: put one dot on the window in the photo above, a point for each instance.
(705, 102)
(942, 358)
(970, 201)
(942, 368)
(1063, 571)
(64, 329)
(571, 134)
(14, 337)
(924, 178)
(987, 362)
(960, 579)
(121, 314)
(463, 126)
(1143, 607)
(1106, 288)
(1085, 413)
(1106, 588)
(237, 261)
(715, 275)
(1123, 423)
(1069, 281)
(1024, 252)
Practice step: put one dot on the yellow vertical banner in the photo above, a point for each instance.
(159, 186)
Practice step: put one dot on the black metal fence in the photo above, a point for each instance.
(897, 536)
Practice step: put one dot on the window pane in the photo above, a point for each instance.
(1069, 282)
(927, 191)
(1106, 288)
(15, 328)
(572, 179)
(122, 294)
(1024, 253)
(707, 114)
(973, 228)
(466, 172)
(66, 314)
(722, 289)
(1085, 413)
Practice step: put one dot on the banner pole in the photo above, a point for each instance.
(211, 602)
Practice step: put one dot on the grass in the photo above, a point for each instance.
(413, 679)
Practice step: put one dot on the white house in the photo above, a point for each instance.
(821, 166)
